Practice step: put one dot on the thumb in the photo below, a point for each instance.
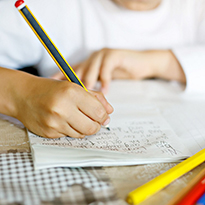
(103, 100)
(105, 77)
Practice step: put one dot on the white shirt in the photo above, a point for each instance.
(79, 27)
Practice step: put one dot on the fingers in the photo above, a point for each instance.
(102, 99)
(88, 71)
(61, 131)
(99, 66)
(83, 124)
(67, 130)
(84, 114)
(94, 109)
(80, 122)
(108, 64)
(58, 76)
(75, 125)
(121, 74)
(92, 68)
(79, 70)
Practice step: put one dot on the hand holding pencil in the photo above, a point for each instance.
(55, 108)
(52, 109)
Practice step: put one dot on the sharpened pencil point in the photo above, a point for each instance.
(107, 127)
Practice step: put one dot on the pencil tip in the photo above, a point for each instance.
(108, 128)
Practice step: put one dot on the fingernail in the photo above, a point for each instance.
(88, 87)
(104, 91)
(106, 121)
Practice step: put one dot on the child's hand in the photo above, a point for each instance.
(55, 109)
(58, 76)
(108, 64)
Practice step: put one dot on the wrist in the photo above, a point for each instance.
(15, 88)
(166, 66)
(7, 104)
(160, 60)
(22, 90)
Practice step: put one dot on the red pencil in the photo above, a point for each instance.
(194, 194)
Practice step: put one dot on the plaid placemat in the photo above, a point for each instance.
(20, 183)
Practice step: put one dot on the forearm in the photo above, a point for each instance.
(166, 66)
(13, 85)
(148, 64)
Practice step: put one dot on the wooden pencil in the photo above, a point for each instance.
(190, 185)
(194, 194)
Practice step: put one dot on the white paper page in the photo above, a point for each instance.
(188, 121)
(185, 112)
(45, 157)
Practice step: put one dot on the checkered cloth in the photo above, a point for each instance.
(20, 183)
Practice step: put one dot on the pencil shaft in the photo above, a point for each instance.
(194, 194)
(190, 185)
(50, 47)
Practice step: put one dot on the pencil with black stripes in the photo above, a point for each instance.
(49, 45)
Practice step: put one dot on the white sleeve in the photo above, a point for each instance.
(63, 25)
(18, 46)
(192, 60)
(192, 57)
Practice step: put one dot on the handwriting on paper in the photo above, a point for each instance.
(136, 136)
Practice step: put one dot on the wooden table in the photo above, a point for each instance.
(13, 138)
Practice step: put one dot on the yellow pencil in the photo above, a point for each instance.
(145, 191)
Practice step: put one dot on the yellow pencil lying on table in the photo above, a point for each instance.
(145, 191)
(49, 45)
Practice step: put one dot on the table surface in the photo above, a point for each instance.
(13, 138)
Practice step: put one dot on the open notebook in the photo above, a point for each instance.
(136, 137)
